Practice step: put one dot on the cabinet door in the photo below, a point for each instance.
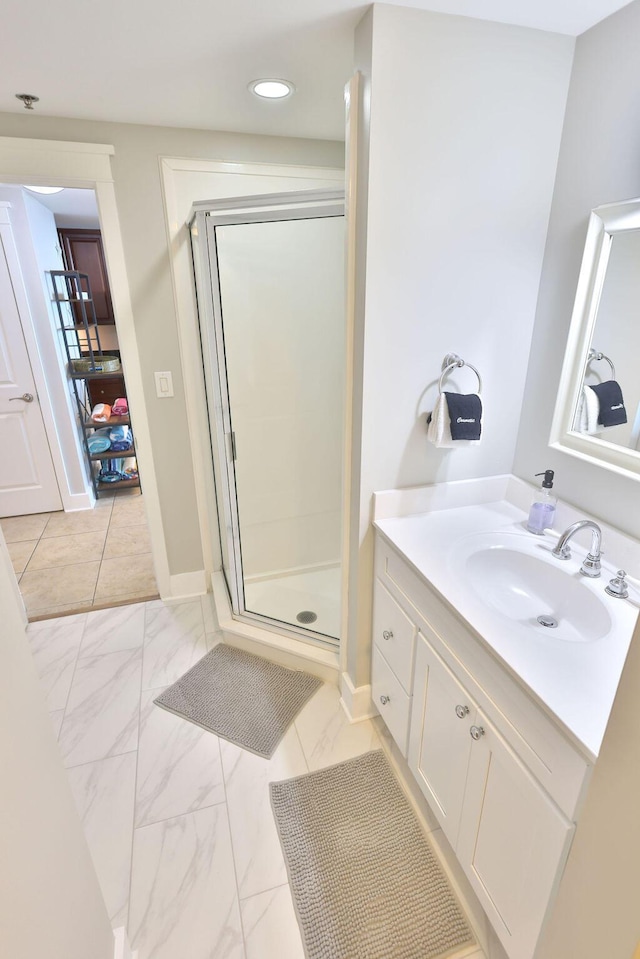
(439, 744)
(512, 843)
(83, 252)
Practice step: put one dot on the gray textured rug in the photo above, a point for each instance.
(240, 697)
(365, 881)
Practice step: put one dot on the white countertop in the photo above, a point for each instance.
(575, 681)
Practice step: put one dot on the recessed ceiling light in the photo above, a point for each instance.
(272, 89)
(44, 189)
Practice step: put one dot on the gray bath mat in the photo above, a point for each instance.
(365, 881)
(240, 697)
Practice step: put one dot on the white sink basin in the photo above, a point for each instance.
(518, 578)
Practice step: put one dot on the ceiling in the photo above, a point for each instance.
(72, 208)
(188, 63)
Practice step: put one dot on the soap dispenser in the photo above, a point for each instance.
(543, 508)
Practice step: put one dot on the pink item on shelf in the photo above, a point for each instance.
(101, 413)
(120, 407)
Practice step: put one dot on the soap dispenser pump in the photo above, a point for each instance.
(543, 508)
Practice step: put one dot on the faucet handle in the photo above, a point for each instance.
(618, 586)
(591, 565)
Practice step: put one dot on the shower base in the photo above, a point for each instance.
(285, 596)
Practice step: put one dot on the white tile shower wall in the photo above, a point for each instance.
(284, 344)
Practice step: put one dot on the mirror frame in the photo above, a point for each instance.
(605, 222)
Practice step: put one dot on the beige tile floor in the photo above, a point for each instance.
(69, 562)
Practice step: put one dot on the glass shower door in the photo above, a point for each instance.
(274, 328)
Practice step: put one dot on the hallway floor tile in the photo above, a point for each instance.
(67, 562)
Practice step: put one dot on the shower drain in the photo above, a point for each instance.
(306, 617)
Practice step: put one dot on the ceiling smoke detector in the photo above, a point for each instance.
(28, 99)
(272, 89)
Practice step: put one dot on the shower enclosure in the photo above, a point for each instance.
(269, 274)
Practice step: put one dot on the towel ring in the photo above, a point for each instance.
(451, 362)
(596, 355)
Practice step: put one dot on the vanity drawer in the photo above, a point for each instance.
(390, 699)
(394, 633)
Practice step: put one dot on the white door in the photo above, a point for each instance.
(27, 477)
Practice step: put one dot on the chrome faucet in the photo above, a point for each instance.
(591, 563)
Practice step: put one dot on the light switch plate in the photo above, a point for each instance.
(164, 384)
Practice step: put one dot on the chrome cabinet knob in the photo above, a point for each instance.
(26, 398)
(384, 700)
(462, 711)
(476, 732)
(387, 634)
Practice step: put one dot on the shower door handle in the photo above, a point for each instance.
(232, 443)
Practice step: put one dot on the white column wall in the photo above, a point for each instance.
(465, 125)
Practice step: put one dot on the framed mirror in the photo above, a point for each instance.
(597, 414)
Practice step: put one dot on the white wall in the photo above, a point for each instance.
(599, 163)
(36, 239)
(465, 125)
(140, 206)
(282, 291)
(50, 901)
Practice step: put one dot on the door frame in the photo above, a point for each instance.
(88, 165)
(178, 240)
(205, 216)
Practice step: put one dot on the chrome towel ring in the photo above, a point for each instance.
(451, 362)
(595, 355)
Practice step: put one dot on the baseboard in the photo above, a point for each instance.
(185, 586)
(356, 700)
(74, 502)
(121, 947)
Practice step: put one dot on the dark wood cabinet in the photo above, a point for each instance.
(83, 251)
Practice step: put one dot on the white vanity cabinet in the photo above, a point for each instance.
(501, 778)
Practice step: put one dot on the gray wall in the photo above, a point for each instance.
(140, 206)
(599, 163)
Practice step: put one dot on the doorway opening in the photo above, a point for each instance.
(70, 504)
(269, 273)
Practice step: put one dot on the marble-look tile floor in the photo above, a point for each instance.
(68, 562)
(178, 822)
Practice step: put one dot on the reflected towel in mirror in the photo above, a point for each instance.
(600, 406)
